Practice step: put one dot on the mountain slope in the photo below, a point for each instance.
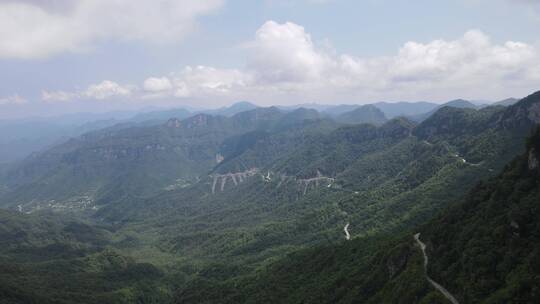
(233, 109)
(266, 184)
(506, 102)
(303, 186)
(368, 114)
(47, 259)
(407, 109)
(458, 103)
(484, 249)
(112, 163)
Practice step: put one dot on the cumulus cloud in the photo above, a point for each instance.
(15, 99)
(285, 53)
(104, 90)
(283, 59)
(107, 89)
(283, 64)
(207, 81)
(55, 96)
(36, 29)
(154, 84)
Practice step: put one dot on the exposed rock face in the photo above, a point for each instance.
(219, 158)
(533, 160)
(173, 123)
(198, 121)
(534, 113)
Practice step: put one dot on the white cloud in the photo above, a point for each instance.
(13, 100)
(37, 29)
(104, 90)
(284, 61)
(55, 96)
(285, 65)
(107, 89)
(285, 53)
(154, 84)
(206, 81)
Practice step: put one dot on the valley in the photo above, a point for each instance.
(209, 201)
(269, 152)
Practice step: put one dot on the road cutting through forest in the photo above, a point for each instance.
(437, 286)
(347, 235)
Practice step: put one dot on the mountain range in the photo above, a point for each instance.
(20, 138)
(263, 205)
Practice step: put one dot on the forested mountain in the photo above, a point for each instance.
(364, 114)
(20, 138)
(216, 202)
(115, 162)
(506, 102)
(406, 109)
(157, 117)
(390, 109)
(483, 249)
(49, 259)
(458, 103)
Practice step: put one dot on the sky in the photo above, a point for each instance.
(62, 56)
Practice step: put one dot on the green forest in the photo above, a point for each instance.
(275, 206)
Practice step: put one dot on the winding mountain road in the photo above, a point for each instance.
(437, 286)
(347, 235)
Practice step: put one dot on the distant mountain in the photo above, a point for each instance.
(506, 102)
(20, 138)
(458, 103)
(157, 117)
(364, 114)
(111, 163)
(299, 116)
(390, 109)
(234, 109)
(160, 116)
(315, 106)
(395, 109)
(334, 111)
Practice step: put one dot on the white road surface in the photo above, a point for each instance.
(347, 235)
(437, 286)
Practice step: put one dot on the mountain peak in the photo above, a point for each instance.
(459, 103)
(258, 113)
(398, 127)
(198, 120)
(243, 104)
(506, 102)
(524, 114)
(364, 114)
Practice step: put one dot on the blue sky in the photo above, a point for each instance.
(64, 56)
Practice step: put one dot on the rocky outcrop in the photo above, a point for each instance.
(533, 160)
(219, 158)
(522, 115)
(534, 113)
(173, 123)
